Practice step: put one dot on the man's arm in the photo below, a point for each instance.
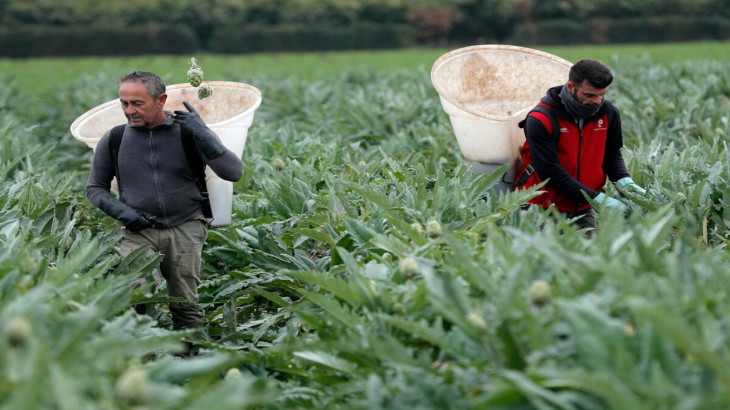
(613, 162)
(220, 159)
(227, 166)
(98, 191)
(102, 172)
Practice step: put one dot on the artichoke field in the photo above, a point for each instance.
(367, 267)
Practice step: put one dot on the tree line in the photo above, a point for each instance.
(425, 21)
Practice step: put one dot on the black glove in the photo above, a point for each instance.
(133, 220)
(205, 139)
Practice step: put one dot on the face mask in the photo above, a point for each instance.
(575, 108)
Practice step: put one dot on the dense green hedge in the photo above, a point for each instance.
(675, 28)
(164, 39)
(632, 30)
(290, 37)
(30, 41)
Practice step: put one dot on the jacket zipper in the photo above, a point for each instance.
(580, 149)
(157, 179)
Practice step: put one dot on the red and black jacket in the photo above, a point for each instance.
(579, 161)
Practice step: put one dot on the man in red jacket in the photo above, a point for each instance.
(587, 150)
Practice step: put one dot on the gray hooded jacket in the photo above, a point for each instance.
(154, 174)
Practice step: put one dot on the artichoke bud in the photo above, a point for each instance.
(204, 91)
(373, 288)
(195, 73)
(477, 321)
(133, 385)
(278, 164)
(433, 229)
(409, 268)
(233, 374)
(18, 330)
(540, 293)
(29, 265)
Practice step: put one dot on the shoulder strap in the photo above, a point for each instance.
(115, 141)
(198, 167)
(191, 153)
(544, 110)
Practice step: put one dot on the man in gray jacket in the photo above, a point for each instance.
(159, 201)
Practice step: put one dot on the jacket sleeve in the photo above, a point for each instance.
(99, 184)
(544, 153)
(613, 162)
(227, 165)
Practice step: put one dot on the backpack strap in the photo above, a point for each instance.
(544, 110)
(115, 141)
(197, 165)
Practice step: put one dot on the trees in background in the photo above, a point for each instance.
(423, 21)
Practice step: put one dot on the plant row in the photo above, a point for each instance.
(368, 267)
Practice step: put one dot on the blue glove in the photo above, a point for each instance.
(610, 202)
(628, 183)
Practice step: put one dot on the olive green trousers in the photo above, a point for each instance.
(181, 247)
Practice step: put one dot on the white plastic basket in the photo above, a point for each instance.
(229, 112)
(487, 90)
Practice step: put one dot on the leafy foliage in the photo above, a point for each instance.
(454, 20)
(367, 267)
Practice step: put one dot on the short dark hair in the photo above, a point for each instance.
(597, 74)
(153, 83)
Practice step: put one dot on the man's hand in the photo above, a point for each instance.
(205, 139)
(152, 219)
(610, 202)
(628, 184)
(132, 220)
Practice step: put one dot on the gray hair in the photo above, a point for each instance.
(153, 83)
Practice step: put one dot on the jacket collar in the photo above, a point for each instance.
(552, 98)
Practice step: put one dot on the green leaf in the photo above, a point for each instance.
(330, 305)
(328, 360)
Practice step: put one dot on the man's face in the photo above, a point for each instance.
(139, 107)
(587, 94)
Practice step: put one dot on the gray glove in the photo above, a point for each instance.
(205, 139)
(132, 219)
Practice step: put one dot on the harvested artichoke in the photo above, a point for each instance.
(195, 73)
(204, 91)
